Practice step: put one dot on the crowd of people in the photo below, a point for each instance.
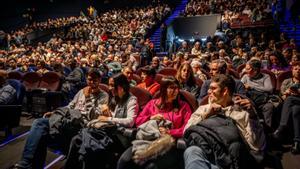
(231, 11)
(232, 78)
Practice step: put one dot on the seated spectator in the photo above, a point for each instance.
(123, 115)
(167, 107)
(74, 81)
(290, 119)
(12, 65)
(184, 48)
(239, 59)
(128, 72)
(259, 87)
(196, 66)
(196, 50)
(51, 129)
(165, 62)
(148, 82)
(156, 64)
(278, 63)
(186, 79)
(220, 67)
(41, 67)
(178, 60)
(31, 65)
(7, 92)
(208, 124)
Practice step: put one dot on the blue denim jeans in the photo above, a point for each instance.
(35, 149)
(194, 157)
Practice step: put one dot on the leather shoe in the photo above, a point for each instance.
(296, 148)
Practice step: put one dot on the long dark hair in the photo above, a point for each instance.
(121, 80)
(282, 61)
(165, 83)
(190, 79)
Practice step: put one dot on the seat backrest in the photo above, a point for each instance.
(50, 81)
(139, 71)
(104, 87)
(158, 78)
(31, 80)
(15, 75)
(204, 101)
(137, 78)
(168, 71)
(199, 82)
(272, 76)
(190, 99)
(20, 90)
(206, 73)
(142, 95)
(281, 77)
(233, 73)
(240, 68)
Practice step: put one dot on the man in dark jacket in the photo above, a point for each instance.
(214, 133)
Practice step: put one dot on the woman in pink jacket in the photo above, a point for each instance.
(169, 107)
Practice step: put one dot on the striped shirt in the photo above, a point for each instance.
(89, 106)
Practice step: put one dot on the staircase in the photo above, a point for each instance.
(155, 37)
(291, 30)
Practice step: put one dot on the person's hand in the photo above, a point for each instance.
(102, 118)
(163, 130)
(213, 109)
(86, 91)
(47, 115)
(105, 110)
(244, 103)
(157, 117)
(247, 87)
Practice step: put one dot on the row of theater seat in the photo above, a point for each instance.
(33, 80)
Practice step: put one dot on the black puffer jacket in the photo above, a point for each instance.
(220, 140)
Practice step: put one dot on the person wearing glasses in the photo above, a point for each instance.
(220, 67)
